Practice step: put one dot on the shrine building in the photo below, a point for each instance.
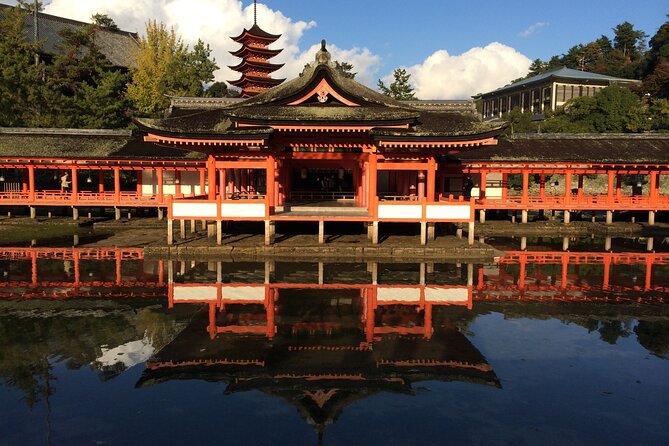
(324, 149)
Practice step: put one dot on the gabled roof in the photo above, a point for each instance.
(323, 95)
(563, 73)
(116, 45)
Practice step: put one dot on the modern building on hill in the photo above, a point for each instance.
(116, 45)
(544, 92)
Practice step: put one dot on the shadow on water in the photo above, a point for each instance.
(336, 342)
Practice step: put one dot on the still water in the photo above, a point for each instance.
(103, 347)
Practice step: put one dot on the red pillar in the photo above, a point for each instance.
(580, 186)
(75, 185)
(649, 273)
(505, 186)
(542, 187)
(117, 184)
(211, 171)
(177, 182)
(139, 182)
(31, 183)
(482, 184)
(652, 194)
(269, 180)
(277, 184)
(567, 186)
(118, 267)
(526, 186)
(607, 272)
(372, 184)
(431, 180)
(138, 173)
(77, 269)
(159, 183)
(101, 181)
(611, 185)
(421, 185)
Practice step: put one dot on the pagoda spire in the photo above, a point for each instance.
(255, 66)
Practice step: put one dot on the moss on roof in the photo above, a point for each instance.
(272, 106)
(58, 143)
(592, 148)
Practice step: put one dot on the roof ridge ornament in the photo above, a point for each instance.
(323, 56)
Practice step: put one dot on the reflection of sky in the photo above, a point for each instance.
(560, 385)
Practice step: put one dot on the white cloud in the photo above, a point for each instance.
(532, 29)
(214, 21)
(442, 76)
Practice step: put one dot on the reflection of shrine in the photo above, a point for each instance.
(79, 272)
(320, 347)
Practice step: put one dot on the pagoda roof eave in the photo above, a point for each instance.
(254, 80)
(244, 50)
(271, 67)
(255, 32)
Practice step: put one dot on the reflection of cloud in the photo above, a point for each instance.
(442, 76)
(532, 29)
(214, 21)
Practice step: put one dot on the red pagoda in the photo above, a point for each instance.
(255, 66)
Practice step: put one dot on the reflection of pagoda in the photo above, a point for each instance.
(255, 66)
(322, 358)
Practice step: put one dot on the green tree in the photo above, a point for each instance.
(82, 88)
(346, 69)
(520, 122)
(19, 75)
(165, 67)
(659, 114)
(104, 21)
(614, 109)
(400, 88)
(656, 80)
(632, 42)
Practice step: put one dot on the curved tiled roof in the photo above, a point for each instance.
(116, 45)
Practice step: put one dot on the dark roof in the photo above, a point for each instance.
(565, 74)
(256, 31)
(262, 66)
(593, 148)
(117, 46)
(79, 144)
(427, 119)
(246, 50)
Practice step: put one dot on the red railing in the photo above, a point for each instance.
(574, 202)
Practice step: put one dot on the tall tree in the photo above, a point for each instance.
(400, 88)
(656, 82)
(165, 67)
(83, 89)
(19, 75)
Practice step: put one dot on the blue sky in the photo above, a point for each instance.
(452, 48)
(405, 35)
